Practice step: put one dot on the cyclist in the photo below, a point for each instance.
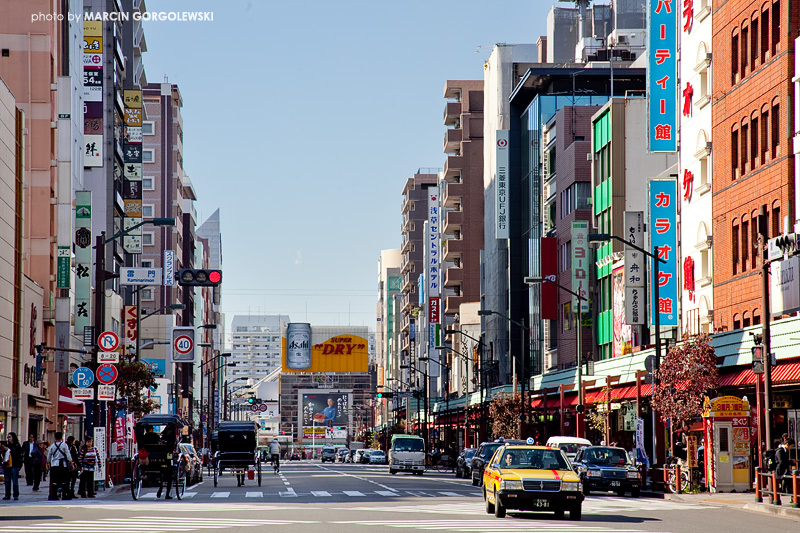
(275, 452)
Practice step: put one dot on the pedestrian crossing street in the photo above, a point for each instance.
(291, 493)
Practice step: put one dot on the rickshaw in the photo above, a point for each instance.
(159, 456)
(237, 450)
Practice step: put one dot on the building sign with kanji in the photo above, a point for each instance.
(662, 75)
(83, 260)
(664, 238)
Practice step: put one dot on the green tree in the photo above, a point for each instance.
(132, 384)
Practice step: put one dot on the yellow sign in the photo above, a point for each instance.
(340, 353)
(92, 44)
(133, 208)
(726, 406)
(133, 116)
(93, 28)
(133, 99)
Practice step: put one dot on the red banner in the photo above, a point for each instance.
(433, 310)
(549, 266)
(119, 432)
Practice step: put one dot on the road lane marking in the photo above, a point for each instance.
(220, 494)
(254, 494)
(353, 493)
(321, 493)
(386, 493)
(455, 494)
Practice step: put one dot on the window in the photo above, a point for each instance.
(148, 127)
(755, 220)
(776, 219)
(746, 320)
(148, 183)
(764, 35)
(743, 166)
(734, 59)
(147, 210)
(146, 293)
(764, 135)
(147, 263)
(754, 142)
(756, 317)
(745, 56)
(745, 248)
(754, 43)
(776, 26)
(147, 238)
(775, 128)
(735, 154)
(148, 156)
(735, 248)
(704, 270)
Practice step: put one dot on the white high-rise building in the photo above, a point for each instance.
(255, 345)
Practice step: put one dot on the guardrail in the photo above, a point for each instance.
(768, 483)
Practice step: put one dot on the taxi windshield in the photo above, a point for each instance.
(606, 456)
(533, 459)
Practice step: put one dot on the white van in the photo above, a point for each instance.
(568, 445)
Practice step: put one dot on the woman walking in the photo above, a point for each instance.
(11, 470)
(89, 459)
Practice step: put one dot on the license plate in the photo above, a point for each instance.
(615, 483)
(541, 504)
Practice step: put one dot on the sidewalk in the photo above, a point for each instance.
(27, 496)
(738, 500)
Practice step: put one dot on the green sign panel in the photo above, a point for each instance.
(63, 267)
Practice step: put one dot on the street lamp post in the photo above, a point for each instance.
(424, 402)
(140, 318)
(521, 360)
(203, 411)
(225, 396)
(579, 429)
(446, 369)
(467, 360)
(654, 306)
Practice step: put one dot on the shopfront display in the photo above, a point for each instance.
(726, 426)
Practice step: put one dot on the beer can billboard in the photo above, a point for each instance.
(330, 349)
(298, 346)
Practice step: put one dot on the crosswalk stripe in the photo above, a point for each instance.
(449, 493)
(220, 494)
(249, 494)
(494, 526)
(386, 493)
(151, 523)
(320, 493)
(291, 494)
(353, 493)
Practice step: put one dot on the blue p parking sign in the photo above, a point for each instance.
(83, 377)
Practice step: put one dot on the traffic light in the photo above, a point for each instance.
(386, 395)
(758, 358)
(251, 400)
(199, 277)
(380, 394)
(787, 243)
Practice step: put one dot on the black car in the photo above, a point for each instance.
(607, 468)
(482, 456)
(464, 462)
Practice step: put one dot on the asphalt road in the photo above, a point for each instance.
(361, 498)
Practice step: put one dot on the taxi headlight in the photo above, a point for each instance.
(511, 484)
(633, 475)
(570, 485)
(593, 473)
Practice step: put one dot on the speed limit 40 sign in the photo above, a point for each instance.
(183, 344)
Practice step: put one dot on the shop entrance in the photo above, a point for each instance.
(723, 447)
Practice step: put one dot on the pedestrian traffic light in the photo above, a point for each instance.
(199, 277)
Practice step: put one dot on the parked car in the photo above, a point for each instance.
(194, 464)
(482, 456)
(377, 457)
(364, 459)
(328, 454)
(607, 468)
(341, 454)
(464, 462)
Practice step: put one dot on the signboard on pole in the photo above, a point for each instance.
(183, 345)
(82, 394)
(580, 264)
(106, 393)
(83, 377)
(662, 76)
(635, 268)
(108, 341)
(501, 185)
(140, 276)
(102, 453)
(169, 268)
(664, 237)
(83, 260)
(784, 286)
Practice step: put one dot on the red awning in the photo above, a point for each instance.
(67, 406)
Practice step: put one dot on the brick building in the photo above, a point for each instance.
(753, 173)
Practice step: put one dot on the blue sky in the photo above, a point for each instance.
(302, 122)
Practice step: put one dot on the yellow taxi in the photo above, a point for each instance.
(531, 478)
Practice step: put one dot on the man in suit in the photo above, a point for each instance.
(27, 448)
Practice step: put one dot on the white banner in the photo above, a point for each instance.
(102, 452)
(580, 263)
(784, 289)
(501, 211)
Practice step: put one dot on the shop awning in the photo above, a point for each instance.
(67, 406)
(782, 373)
(39, 401)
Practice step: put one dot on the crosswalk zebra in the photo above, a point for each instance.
(488, 525)
(153, 524)
(289, 492)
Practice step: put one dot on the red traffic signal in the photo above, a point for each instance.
(199, 277)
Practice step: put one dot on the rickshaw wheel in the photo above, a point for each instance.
(180, 480)
(258, 465)
(136, 479)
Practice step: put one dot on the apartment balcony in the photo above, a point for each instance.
(452, 303)
(452, 222)
(452, 113)
(408, 205)
(453, 276)
(408, 225)
(452, 249)
(453, 166)
(453, 192)
(407, 247)
(407, 266)
(452, 140)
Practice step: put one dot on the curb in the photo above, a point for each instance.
(777, 510)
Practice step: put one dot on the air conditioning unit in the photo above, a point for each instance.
(622, 39)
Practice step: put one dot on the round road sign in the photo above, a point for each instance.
(254, 407)
(184, 344)
(108, 341)
(263, 408)
(106, 374)
(83, 377)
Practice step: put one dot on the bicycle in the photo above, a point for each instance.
(445, 464)
(672, 481)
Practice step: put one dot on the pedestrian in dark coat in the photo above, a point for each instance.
(27, 449)
(37, 456)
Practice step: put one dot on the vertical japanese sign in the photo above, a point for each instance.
(662, 75)
(93, 94)
(433, 270)
(169, 268)
(102, 453)
(580, 264)
(132, 171)
(83, 260)
(635, 269)
(64, 267)
(501, 185)
(664, 238)
(548, 257)
(130, 320)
